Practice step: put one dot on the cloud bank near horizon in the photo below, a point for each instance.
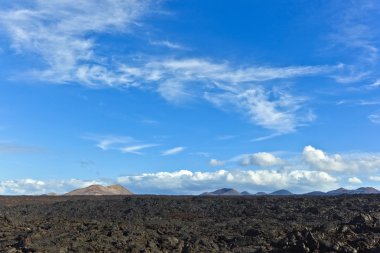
(313, 169)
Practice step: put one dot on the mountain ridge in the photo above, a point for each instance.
(96, 189)
(284, 192)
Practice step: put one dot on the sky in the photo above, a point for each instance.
(182, 97)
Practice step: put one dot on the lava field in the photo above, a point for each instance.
(190, 224)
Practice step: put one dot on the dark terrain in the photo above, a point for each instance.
(190, 224)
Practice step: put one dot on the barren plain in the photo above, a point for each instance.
(190, 224)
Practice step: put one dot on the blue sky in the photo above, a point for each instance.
(181, 97)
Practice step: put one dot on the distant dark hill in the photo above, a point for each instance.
(315, 193)
(261, 193)
(339, 191)
(281, 193)
(361, 190)
(366, 190)
(100, 190)
(223, 192)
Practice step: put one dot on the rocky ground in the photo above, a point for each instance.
(190, 224)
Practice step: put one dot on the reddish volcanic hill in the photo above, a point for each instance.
(100, 190)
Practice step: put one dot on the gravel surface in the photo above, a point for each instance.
(190, 224)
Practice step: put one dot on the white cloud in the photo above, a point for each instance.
(316, 170)
(261, 159)
(185, 181)
(351, 78)
(266, 137)
(272, 109)
(374, 178)
(64, 35)
(320, 160)
(173, 151)
(61, 33)
(355, 180)
(374, 118)
(136, 148)
(109, 142)
(215, 162)
(375, 84)
(357, 36)
(30, 186)
(168, 44)
(356, 29)
(124, 144)
(174, 91)
(199, 69)
(350, 163)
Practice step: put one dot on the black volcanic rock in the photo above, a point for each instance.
(191, 224)
(281, 192)
(224, 192)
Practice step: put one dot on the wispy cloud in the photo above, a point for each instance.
(106, 142)
(266, 137)
(136, 148)
(374, 117)
(64, 36)
(124, 144)
(357, 28)
(61, 34)
(274, 109)
(215, 162)
(168, 44)
(173, 151)
(355, 31)
(375, 84)
(200, 69)
(351, 77)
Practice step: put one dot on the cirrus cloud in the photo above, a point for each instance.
(173, 151)
(64, 35)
